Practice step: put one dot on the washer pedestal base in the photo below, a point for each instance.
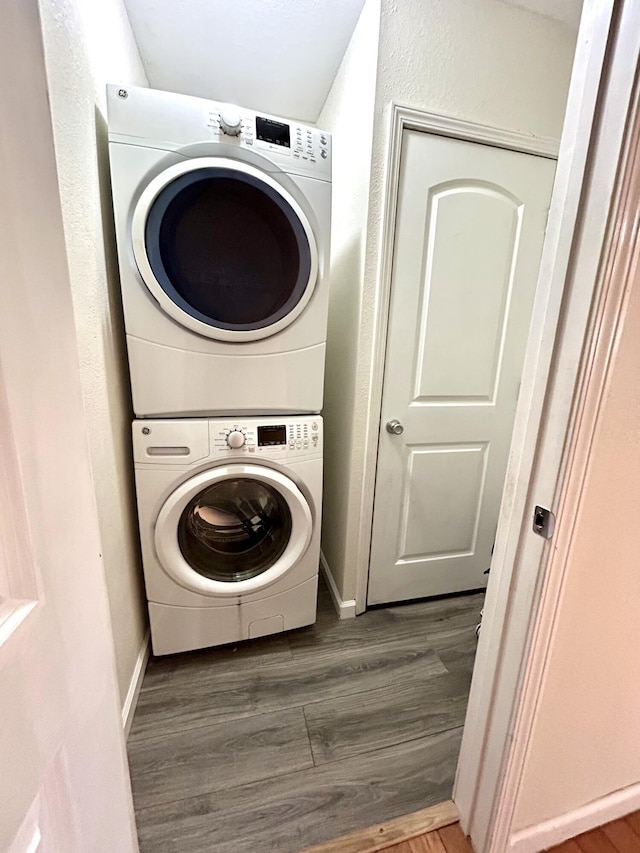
(181, 629)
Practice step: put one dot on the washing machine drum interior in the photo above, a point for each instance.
(234, 530)
(225, 250)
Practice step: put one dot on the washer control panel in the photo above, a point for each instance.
(266, 437)
(192, 441)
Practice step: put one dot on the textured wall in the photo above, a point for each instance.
(88, 44)
(480, 60)
(585, 741)
(348, 114)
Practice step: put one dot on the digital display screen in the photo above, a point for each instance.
(274, 132)
(270, 435)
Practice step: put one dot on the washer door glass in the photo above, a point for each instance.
(229, 249)
(235, 529)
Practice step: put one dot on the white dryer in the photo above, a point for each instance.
(223, 223)
(229, 514)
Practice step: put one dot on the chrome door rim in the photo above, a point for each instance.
(138, 225)
(166, 530)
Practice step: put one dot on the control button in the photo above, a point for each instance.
(323, 153)
(323, 139)
(231, 121)
(235, 439)
(314, 425)
(305, 444)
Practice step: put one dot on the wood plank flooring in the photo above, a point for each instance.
(449, 839)
(288, 741)
(619, 836)
(391, 833)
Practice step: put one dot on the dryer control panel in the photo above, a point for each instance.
(168, 120)
(303, 145)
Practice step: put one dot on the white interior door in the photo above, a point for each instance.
(469, 233)
(64, 783)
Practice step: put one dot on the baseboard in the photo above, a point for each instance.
(129, 707)
(344, 609)
(393, 832)
(551, 832)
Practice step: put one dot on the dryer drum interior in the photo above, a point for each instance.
(235, 529)
(228, 249)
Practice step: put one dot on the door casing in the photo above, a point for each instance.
(405, 118)
(484, 800)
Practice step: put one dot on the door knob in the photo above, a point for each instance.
(394, 427)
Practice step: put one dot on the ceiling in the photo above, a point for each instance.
(276, 56)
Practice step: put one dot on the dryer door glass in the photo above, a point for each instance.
(228, 249)
(234, 529)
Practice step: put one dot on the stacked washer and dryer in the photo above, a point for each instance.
(222, 223)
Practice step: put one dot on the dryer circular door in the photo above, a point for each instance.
(233, 530)
(225, 250)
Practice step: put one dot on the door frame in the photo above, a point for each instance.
(406, 118)
(552, 438)
(562, 336)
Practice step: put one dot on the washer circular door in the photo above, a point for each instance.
(233, 530)
(224, 249)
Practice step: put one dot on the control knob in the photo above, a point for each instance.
(235, 439)
(230, 121)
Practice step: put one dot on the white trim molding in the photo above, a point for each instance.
(553, 434)
(470, 131)
(547, 834)
(131, 700)
(344, 609)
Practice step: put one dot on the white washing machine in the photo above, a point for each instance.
(229, 514)
(223, 223)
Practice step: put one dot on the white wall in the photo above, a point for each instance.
(585, 741)
(88, 44)
(348, 115)
(480, 60)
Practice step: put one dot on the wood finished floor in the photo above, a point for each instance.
(449, 839)
(276, 744)
(619, 836)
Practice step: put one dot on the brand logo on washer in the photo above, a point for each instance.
(122, 93)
